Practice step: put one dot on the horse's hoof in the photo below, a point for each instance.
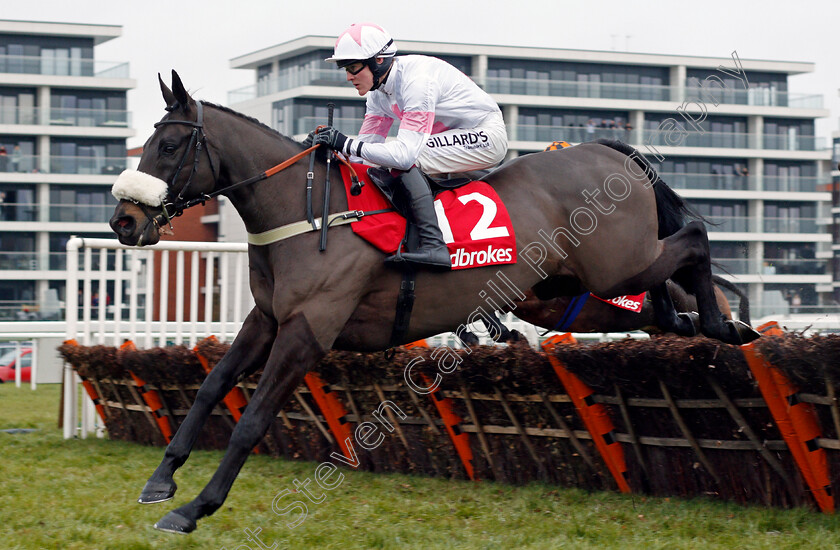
(745, 332)
(690, 323)
(173, 522)
(156, 491)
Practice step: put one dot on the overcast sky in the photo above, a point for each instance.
(199, 38)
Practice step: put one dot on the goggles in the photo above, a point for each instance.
(355, 68)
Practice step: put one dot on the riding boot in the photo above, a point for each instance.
(432, 250)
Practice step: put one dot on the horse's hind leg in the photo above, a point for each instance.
(294, 352)
(248, 352)
(687, 248)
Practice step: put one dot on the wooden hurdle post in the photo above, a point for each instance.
(594, 415)
(333, 410)
(795, 419)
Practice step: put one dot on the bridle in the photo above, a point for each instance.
(198, 139)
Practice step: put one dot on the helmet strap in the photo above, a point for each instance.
(379, 70)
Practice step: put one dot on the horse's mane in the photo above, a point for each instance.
(252, 120)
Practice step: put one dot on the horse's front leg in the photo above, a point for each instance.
(248, 352)
(295, 351)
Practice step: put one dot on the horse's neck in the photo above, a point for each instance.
(280, 199)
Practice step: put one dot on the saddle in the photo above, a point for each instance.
(387, 182)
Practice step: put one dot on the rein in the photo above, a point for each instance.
(198, 139)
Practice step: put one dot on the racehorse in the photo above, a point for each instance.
(344, 297)
(586, 314)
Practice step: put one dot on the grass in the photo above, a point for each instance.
(81, 494)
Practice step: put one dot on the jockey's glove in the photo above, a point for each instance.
(330, 137)
(307, 141)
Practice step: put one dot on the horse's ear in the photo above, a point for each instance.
(181, 96)
(168, 96)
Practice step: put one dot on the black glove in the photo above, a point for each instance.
(307, 141)
(330, 137)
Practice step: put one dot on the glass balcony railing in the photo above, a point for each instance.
(58, 213)
(764, 97)
(735, 266)
(62, 66)
(744, 266)
(89, 117)
(564, 88)
(543, 86)
(85, 213)
(87, 165)
(729, 224)
(793, 142)
(685, 138)
(679, 180)
(20, 115)
(572, 134)
(349, 126)
(791, 225)
(772, 266)
(18, 212)
(65, 117)
(768, 225)
(19, 261)
(64, 165)
(790, 183)
(287, 81)
(22, 164)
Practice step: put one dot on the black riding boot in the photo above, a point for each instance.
(432, 250)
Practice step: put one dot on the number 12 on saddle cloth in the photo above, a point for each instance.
(474, 222)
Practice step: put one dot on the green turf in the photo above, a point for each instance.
(81, 494)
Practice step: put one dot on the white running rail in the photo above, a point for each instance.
(146, 308)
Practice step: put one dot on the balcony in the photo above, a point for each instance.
(774, 266)
(763, 97)
(791, 183)
(565, 88)
(728, 224)
(791, 225)
(729, 182)
(668, 137)
(349, 126)
(742, 224)
(58, 213)
(87, 165)
(287, 81)
(103, 118)
(65, 165)
(62, 66)
(793, 142)
(18, 212)
(573, 134)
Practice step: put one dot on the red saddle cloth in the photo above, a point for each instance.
(473, 220)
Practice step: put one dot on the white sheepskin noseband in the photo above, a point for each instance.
(136, 186)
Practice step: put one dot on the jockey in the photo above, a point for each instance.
(447, 124)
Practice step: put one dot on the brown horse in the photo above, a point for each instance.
(592, 315)
(307, 301)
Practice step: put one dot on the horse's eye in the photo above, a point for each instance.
(167, 148)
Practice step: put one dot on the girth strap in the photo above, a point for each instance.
(305, 226)
(405, 303)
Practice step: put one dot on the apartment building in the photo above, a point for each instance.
(63, 129)
(724, 131)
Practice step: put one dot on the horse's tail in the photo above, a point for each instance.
(671, 210)
(744, 301)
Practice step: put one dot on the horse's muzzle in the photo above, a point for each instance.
(133, 226)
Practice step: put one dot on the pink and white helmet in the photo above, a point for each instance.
(362, 41)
